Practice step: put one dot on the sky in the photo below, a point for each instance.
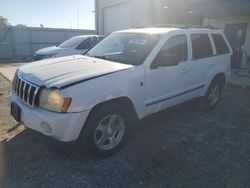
(50, 13)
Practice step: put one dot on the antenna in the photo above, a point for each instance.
(77, 18)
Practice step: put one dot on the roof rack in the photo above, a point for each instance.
(198, 26)
(169, 25)
(161, 25)
(180, 26)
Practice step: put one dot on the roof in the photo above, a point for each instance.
(164, 30)
(85, 36)
(148, 30)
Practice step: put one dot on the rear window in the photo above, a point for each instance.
(220, 44)
(201, 46)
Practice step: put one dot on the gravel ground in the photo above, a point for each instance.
(180, 147)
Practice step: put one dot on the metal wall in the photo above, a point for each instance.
(135, 17)
(22, 42)
(221, 23)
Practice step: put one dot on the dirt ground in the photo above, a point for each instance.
(180, 147)
(6, 121)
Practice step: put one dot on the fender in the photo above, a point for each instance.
(91, 92)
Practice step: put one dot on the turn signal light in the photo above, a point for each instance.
(66, 104)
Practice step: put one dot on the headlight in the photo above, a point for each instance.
(51, 99)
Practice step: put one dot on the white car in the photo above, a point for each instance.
(127, 76)
(74, 46)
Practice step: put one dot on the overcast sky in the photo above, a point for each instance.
(50, 13)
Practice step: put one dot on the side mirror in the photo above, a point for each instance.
(164, 59)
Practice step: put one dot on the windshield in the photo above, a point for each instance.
(71, 42)
(127, 48)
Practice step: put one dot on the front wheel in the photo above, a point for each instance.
(105, 130)
(212, 97)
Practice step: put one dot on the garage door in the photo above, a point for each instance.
(116, 18)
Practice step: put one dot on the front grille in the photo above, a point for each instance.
(25, 91)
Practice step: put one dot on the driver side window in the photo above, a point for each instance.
(176, 46)
(172, 52)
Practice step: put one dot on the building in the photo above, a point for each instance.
(229, 15)
(114, 15)
(234, 18)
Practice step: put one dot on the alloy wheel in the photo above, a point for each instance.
(109, 132)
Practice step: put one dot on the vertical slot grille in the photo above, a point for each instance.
(25, 91)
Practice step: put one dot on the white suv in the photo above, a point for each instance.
(127, 76)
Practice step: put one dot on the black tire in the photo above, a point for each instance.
(89, 133)
(208, 102)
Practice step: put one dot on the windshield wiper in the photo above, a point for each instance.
(86, 53)
(100, 57)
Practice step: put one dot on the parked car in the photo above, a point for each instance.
(73, 46)
(127, 76)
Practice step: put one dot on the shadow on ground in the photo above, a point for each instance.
(180, 147)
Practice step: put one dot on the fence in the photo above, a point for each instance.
(22, 42)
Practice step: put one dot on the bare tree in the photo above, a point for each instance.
(21, 25)
(4, 21)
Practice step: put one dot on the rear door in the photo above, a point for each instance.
(202, 59)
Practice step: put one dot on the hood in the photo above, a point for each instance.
(48, 50)
(58, 72)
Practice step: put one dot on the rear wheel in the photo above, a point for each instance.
(212, 97)
(105, 130)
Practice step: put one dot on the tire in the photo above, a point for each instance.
(213, 95)
(105, 131)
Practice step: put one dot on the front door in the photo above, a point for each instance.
(165, 85)
(236, 34)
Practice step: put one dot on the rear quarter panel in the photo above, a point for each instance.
(222, 62)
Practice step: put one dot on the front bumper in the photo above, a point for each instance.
(61, 126)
